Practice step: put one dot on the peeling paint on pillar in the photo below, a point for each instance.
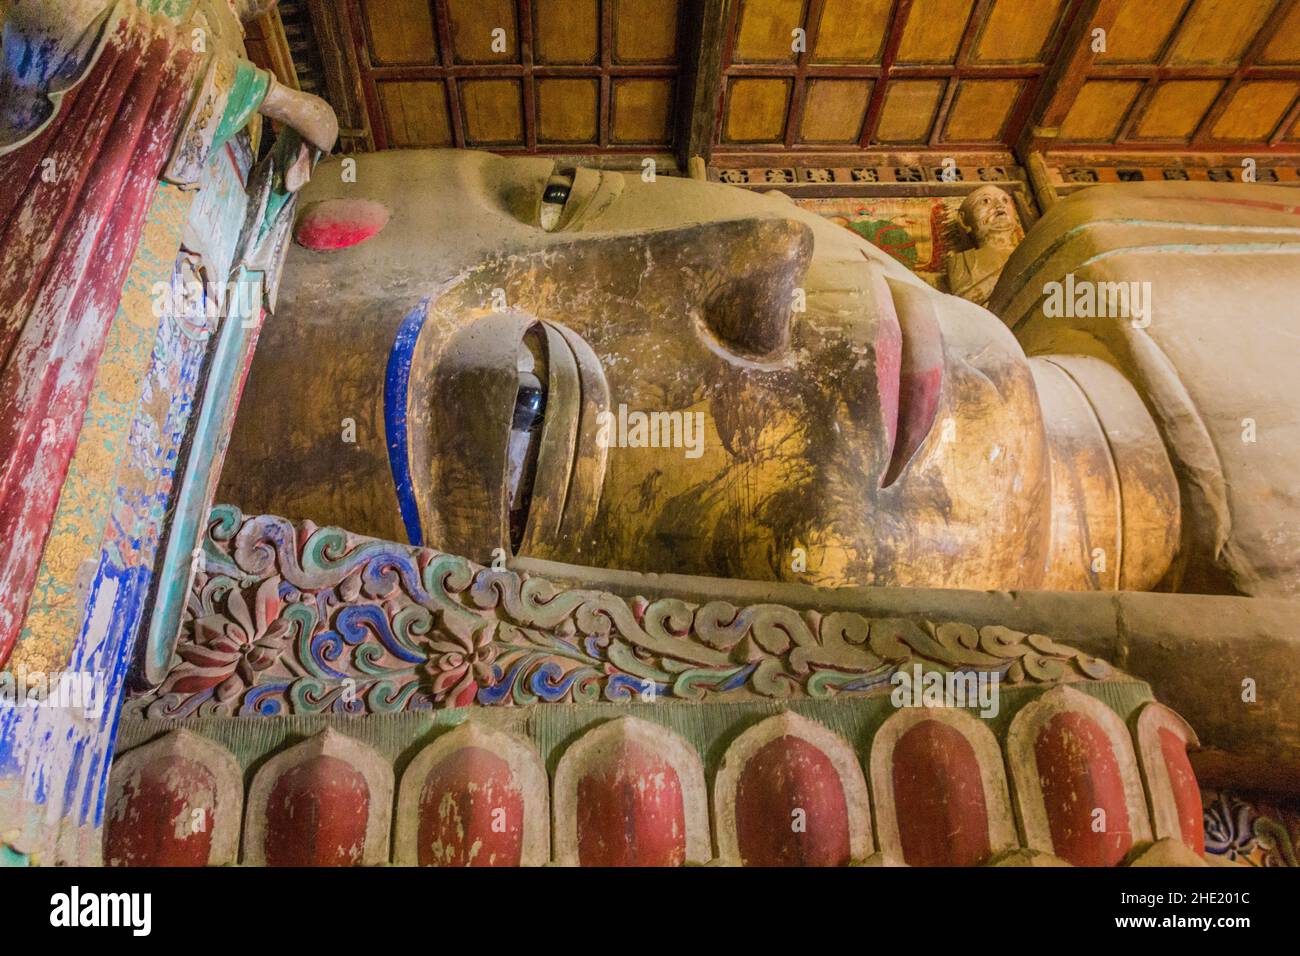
(68, 300)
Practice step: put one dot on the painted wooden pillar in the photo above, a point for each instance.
(83, 188)
(265, 238)
(102, 345)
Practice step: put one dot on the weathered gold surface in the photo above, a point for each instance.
(791, 338)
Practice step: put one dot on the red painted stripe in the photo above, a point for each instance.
(74, 288)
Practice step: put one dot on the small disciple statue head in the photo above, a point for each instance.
(988, 217)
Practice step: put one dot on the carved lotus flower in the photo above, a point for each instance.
(230, 649)
(461, 662)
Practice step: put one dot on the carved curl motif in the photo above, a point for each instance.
(284, 619)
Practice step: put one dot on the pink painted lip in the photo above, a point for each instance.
(909, 373)
(340, 223)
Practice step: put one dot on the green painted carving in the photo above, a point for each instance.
(246, 95)
(299, 619)
(11, 857)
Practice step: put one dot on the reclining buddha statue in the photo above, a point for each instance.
(532, 462)
(581, 517)
(676, 376)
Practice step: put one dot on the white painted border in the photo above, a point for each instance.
(228, 782)
(329, 743)
(1001, 823)
(1151, 719)
(1036, 831)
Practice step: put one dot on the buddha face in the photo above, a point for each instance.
(668, 376)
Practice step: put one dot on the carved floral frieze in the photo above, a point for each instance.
(286, 619)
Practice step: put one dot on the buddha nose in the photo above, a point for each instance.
(755, 272)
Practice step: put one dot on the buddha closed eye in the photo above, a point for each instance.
(525, 430)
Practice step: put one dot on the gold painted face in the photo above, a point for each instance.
(666, 376)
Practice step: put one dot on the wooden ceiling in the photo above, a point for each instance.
(1211, 74)
(728, 79)
(882, 73)
(536, 75)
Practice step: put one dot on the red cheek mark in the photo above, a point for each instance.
(339, 223)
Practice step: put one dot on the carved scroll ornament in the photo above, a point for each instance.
(286, 619)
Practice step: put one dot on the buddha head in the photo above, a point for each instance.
(655, 374)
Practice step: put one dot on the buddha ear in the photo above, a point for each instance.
(753, 272)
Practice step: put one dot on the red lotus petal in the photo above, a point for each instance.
(267, 603)
(262, 658)
(238, 609)
(464, 695)
(448, 679)
(207, 656)
(194, 683)
(210, 629)
(229, 688)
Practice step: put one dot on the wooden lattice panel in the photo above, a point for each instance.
(881, 174)
(1069, 172)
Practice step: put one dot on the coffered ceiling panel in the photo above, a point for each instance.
(926, 73)
(851, 31)
(537, 75)
(934, 30)
(763, 77)
(1203, 74)
(566, 31)
(1018, 31)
